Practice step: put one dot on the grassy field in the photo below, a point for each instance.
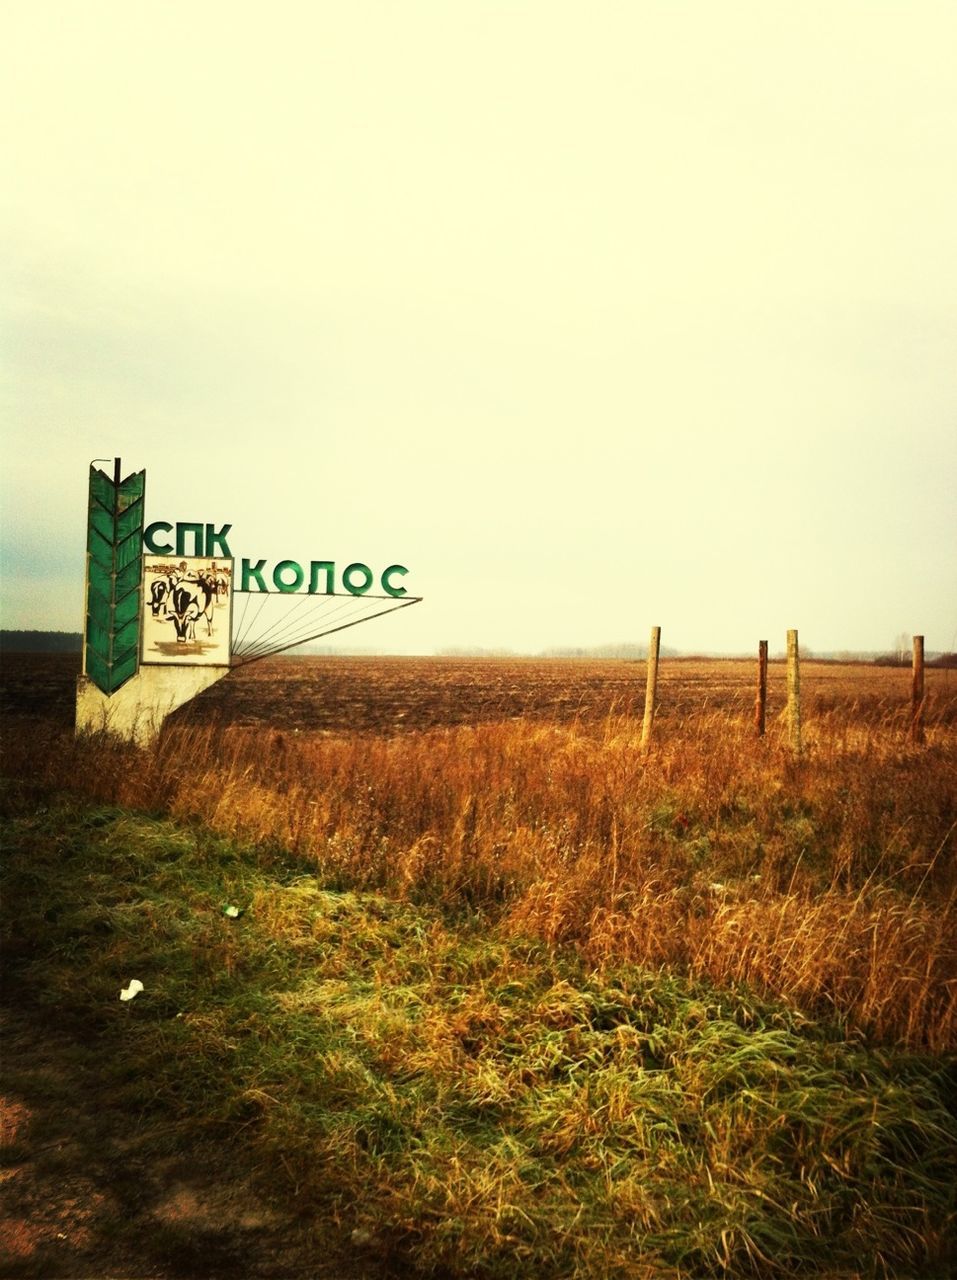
(507, 997)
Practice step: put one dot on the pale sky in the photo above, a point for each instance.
(595, 316)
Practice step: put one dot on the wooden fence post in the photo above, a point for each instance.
(651, 687)
(917, 692)
(761, 702)
(794, 695)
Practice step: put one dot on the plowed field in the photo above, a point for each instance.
(375, 694)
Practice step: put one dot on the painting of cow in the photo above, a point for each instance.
(190, 600)
(189, 618)
(159, 591)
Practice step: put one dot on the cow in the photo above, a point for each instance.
(190, 600)
(159, 591)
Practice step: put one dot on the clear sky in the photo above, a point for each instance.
(596, 316)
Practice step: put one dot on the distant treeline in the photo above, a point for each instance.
(72, 642)
(625, 652)
(899, 660)
(639, 652)
(42, 641)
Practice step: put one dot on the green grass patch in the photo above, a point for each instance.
(477, 1105)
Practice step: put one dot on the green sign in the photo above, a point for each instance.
(114, 576)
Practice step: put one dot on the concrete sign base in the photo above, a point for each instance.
(137, 709)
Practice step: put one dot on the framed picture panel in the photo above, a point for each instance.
(187, 610)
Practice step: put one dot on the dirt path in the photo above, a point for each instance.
(89, 1192)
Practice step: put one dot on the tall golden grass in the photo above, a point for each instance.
(831, 882)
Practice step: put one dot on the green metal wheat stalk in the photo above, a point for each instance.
(114, 544)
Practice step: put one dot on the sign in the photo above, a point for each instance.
(187, 610)
(313, 577)
(158, 626)
(114, 538)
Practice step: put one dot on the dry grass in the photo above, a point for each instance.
(831, 884)
(425, 1090)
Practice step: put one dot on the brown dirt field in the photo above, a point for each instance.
(390, 695)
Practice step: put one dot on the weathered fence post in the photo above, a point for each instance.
(794, 695)
(650, 688)
(761, 702)
(917, 692)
